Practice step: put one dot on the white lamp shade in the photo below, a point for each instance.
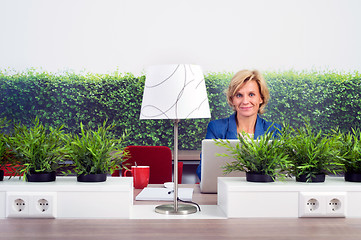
(174, 92)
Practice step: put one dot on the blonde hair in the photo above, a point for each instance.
(242, 77)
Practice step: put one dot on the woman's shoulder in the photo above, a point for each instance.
(268, 124)
(222, 128)
(221, 121)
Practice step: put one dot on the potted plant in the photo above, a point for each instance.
(350, 149)
(313, 154)
(94, 153)
(261, 159)
(7, 158)
(38, 150)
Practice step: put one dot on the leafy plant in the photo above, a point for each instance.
(7, 158)
(38, 148)
(95, 152)
(350, 150)
(3, 151)
(311, 153)
(263, 155)
(6, 155)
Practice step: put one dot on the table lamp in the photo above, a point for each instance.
(175, 91)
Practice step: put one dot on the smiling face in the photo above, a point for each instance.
(247, 99)
(240, 79)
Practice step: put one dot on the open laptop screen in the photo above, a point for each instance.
(212, 165)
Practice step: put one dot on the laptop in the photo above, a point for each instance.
(212, 165)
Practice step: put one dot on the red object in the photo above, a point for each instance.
(158, 158)
(116, 173)
(9, 171)
(140, 176)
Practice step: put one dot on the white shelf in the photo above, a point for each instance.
(238, 198)
(290, 184)
(110, 199)
(67, 184)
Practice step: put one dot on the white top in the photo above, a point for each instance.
(247, 136)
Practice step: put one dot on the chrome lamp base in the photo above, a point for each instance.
(175, 208)
(169, 209)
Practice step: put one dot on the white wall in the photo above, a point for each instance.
(103, 35)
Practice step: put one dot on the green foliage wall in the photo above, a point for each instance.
(328, 99)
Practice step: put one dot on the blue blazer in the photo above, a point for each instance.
(226, 128)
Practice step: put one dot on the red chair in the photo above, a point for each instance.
(158, 158)
(8, 171)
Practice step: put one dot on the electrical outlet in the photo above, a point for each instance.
(336, 204)
(31, 205)
(324, 204)
(311, 205)
(43, 205)
(17, 205)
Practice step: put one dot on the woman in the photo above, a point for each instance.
(248, 96)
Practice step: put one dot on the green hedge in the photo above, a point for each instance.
(328, 99)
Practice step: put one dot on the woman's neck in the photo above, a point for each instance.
(246, 124)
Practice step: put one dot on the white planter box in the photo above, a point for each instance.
(68, 198)
(238, 198)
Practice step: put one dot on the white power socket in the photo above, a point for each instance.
(335, 205)
(43, 205)
(31, 205)
(324, 204)
(17, 205)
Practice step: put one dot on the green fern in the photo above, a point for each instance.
(311, 152)
(94, 151)
(37, 148)
(263, 155)
(350, 150)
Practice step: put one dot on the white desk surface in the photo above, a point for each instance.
(198, 197)
(207, 202)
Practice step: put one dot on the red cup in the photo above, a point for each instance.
(140, 176)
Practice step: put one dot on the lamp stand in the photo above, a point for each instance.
(175, 208)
